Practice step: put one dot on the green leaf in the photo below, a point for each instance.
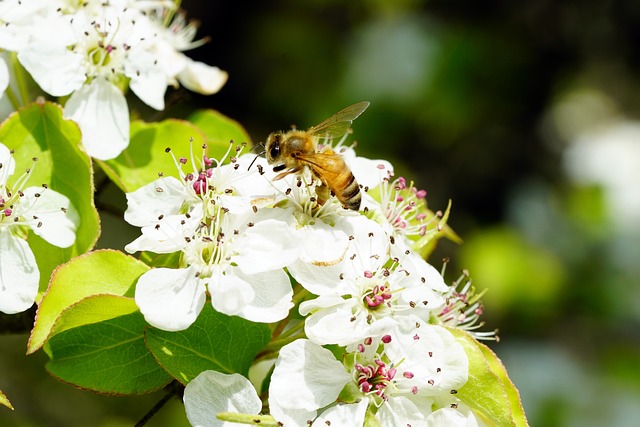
(489, 391)
(219, 129)
(215, 341)
(99, 273)
(109, 357)
(146, 156)
(4, 401)
(93, 309)
(39, 130)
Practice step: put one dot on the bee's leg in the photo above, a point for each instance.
(285, 173)
(323, 193)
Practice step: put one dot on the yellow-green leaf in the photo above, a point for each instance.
(489, 391)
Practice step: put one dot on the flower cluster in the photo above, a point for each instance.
(92, 51)
(243, 236)
(42, 210)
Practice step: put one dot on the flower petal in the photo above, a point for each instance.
(322, 244)
(202, 78)
(343, 415)
(306, 377)
(229, 293)
(19, 275)
(148, 80)
(170, 299)
(272, 296)
(268, 245)
(101, 111)
(8, 164)
(50, 215)
(56, 69)
(164, 196)
(333, 321)
(451, 418)
(445, 369)
(212, 392)
(4, 76)
(404, 411)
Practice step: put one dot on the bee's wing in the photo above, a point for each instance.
(338, 124)
(327, 162)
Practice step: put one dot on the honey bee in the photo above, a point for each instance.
(295, 150)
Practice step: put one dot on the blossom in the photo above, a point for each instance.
(93, 51)
(463, 309)
(175, 38)
(368, 291)
(41, 210)
(212, 392)
(228, 246)
(395, 376)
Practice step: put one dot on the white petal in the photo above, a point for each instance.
(447, 417)
(229, 293)
(56, 69)
(101, 111)
(343, 415)
(445, 369)
(164, 196)
(202, 78)
(148, 80)
(166, 235)
(212, 392)
(320, 280)
(306, 377)
(253, 183)
(50, 215)
(8, 164)
(4, 76)
(322, 244)
(330, 324)
(417, 265)
(19, 275)
(170, 299)
(272, 297)
(268, 245)
(403, 411)
(264, 297)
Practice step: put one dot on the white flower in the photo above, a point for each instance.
(367, 291)
(398, 374)
(175, 38)
(212, 392)
(322, 230)
(228, 245)
(17, 20)
(46, 213)
(93, 51)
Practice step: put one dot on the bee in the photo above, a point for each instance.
(295, 150)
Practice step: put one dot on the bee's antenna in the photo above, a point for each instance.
(257, 155)
(254, 160)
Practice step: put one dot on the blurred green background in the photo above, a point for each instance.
(524, 113)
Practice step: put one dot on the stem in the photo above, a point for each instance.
(19, 73)
(15, 103)
(173, 389)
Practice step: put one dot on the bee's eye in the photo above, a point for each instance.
(275, 148)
